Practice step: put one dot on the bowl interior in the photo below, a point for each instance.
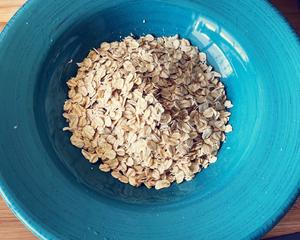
(113, 24)
(59, 195)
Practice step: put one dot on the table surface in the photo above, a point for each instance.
(12, 229)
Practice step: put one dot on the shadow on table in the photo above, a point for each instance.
(295, 236)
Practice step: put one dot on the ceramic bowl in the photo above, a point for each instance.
(59, 195)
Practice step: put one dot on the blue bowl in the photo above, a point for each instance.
(59, 195)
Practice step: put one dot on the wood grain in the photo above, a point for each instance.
(7, 9)
(10, 226)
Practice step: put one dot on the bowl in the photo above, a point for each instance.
(59, 195)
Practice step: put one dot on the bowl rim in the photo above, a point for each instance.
(5, 193)
(39, 231)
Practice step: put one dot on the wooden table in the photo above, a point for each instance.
(11, 228)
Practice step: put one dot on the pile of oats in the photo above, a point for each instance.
(150, 110)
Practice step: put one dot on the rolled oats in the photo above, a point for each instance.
(150, 109)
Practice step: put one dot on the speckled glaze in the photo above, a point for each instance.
(59, 195)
